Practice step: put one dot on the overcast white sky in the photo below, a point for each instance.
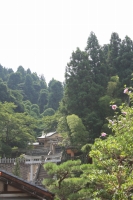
(41, 34)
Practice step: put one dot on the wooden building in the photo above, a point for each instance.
(15, 188)
(50, 141)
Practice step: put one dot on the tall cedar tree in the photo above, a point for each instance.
(55, 94)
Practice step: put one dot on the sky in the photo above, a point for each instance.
(42, 34)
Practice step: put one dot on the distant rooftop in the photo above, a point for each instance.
(45, 135)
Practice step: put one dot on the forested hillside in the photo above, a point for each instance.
(97, 118)
(94, 80)
(96, 77)
(27, 106)
(29, 91)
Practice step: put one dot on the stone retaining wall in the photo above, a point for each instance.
(24, 169)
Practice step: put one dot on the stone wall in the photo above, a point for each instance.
(24, 169)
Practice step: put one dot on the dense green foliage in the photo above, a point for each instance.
(16, 129)
(63, 182)
(95, 77)
(55, 94)
(22, 86)
(28, 106)
(109, 177)
(94, 109)
(82, 112)
(32, 99)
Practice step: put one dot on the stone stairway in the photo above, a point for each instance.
(41, 174)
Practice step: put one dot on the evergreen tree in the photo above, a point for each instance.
(21, 70)
(28, 89)
(14, 80)
(28, 71)
(82, 92)
(43, 82)
(78, 80)
(43, 99)
(55, 94)
(4, 92)
(125, 67)
(96, 60)
(113, 54)
(64, 182)
(1, 72)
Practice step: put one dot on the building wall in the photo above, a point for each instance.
(11, 192)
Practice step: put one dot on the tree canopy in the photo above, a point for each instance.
(16, 129)
(94, 75)
(110, 174)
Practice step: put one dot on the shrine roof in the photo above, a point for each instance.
(45, 135)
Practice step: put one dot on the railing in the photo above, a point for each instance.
(12, 160)
(42, 159)
(29, 159)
